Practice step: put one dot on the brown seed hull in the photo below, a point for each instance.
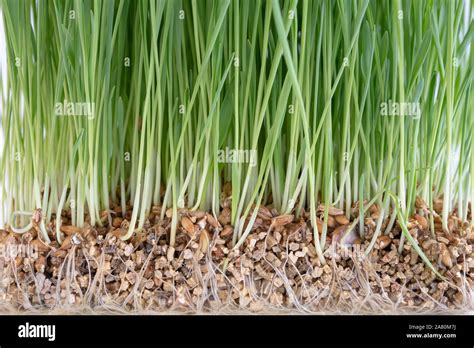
(278, 255)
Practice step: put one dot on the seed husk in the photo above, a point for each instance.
(70, 230)
(67, 243)
(117, 221)
(187, 225)
(40, 264)
(384, 241)
(445, 256)
(341, 219)
(265, 213)
(170, 254)
(224, 216)
(422, 222)
(343, 237)
(211, 220)
(39, 245)
(374, 209)
(438, 206)
(18, 261)
(227, 231)
(204, 241)
(333, 211)
(119, 232)
(282, 220)
(331, 221)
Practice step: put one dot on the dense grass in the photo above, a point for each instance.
(299, 85)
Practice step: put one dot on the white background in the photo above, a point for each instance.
(3, 69)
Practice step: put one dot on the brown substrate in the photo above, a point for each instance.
(276, 269)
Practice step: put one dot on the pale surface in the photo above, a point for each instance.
(3, 69)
